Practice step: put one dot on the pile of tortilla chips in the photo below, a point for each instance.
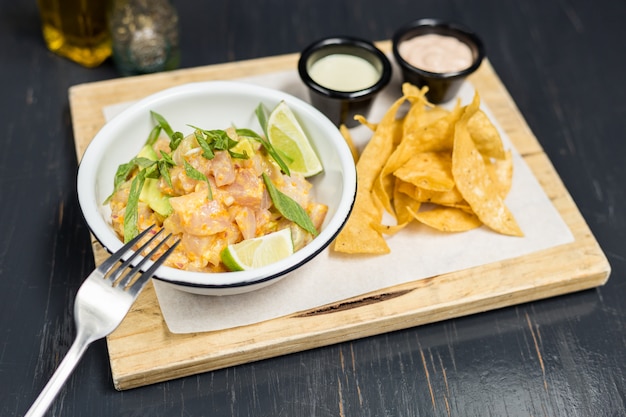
(444, 168)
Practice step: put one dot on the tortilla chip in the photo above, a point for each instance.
(345, 132)
(485, 136)
(474, 182)
(452, 198)
(361, 119)
(428, 170)
(358, 235)
(384, 185)
(404, 205)
(449, 219)
(436, 136)
(444, 168)
(501, 172)
(387, 229)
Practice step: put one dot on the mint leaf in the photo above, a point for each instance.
(288, 207)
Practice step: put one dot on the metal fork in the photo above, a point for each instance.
(101, 303)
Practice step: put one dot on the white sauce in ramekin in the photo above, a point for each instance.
(436, 53)
(344, 72)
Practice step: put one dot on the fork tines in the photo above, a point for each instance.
(114, 274)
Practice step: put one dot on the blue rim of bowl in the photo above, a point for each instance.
(271, 275)
(442, 27)
(344, 43)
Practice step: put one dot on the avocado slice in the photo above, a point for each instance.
(150, 192)
(148, 152)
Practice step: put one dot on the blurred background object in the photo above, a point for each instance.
(76, 29)
(144, 35)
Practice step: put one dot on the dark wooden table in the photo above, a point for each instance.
(563, 63)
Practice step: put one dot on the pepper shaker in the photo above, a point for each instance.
(144, 35)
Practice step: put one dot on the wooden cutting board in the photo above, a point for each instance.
(142, 351)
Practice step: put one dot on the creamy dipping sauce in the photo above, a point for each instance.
(436, 53)
(344, 72)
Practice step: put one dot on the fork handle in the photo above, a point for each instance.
(56, 382)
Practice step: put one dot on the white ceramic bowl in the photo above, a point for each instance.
(216, 105)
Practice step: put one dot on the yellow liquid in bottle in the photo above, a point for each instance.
(76, 29)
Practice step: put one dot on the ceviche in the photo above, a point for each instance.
(211, 189)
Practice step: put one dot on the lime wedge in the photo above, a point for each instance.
(258, 252)
(287, 137)
(244, 145)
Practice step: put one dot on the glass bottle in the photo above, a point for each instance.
(76, 29)
(144, 34)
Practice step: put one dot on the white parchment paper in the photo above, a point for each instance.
(417, 252)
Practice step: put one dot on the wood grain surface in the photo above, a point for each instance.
(142, 350)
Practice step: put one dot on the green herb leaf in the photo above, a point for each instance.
(142, 162)
(175, 137)
(194, 173)
(168, 158)
(199, 176)
(165, 163)
(176, 140)
(131, 213)
(154, 135)
(237, 155)
(288, 207)
(262, 115)
(162, 123)
(216, 139)
(249, 133)
(207, 152)
(164, 170)
(125, 170)
(122, 173)
(152, 171)
(221, 140)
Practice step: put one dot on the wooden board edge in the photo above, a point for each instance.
(382, 317)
